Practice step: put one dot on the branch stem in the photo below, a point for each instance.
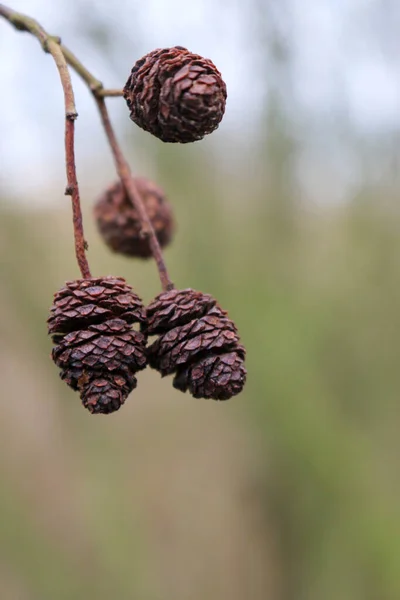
(109, 93)
(51, 45)
(121, 164)
(133, 194)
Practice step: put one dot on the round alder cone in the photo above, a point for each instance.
(96, 348)
(118, 222)
(176, 95)
(197, 342)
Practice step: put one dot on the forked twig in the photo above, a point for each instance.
(64, 57)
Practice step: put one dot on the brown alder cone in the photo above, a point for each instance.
(96, 348)
(198, 342)
(176, 95)
(118, 222)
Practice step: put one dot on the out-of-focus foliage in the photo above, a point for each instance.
(291, 487)
(287, 492)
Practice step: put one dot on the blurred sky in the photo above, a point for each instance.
(342, 56)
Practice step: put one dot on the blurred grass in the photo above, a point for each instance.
(289, 491)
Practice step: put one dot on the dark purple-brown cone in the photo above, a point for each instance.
(197, 342)
(96, 348)
(118, 221)
(176, 95)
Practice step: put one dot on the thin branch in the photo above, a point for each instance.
(109, 93)
(95, 85)
(133, 194)
(51, 45)
(72, 190)
(121, 164)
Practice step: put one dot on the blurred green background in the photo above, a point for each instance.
(290, 491)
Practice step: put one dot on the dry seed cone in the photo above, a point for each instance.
(197, 342)
(176, 95)
(96, 347)
(119, 224)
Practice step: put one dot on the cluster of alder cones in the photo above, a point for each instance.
(177, 96)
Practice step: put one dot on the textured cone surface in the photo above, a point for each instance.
(176, 307)
(218, 376)
(198, 342)
(118, 222)
(176, 95)
(96, 348)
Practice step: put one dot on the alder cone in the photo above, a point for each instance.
(176, 95)
(96, 347)
(119, 224)
(197, 342)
